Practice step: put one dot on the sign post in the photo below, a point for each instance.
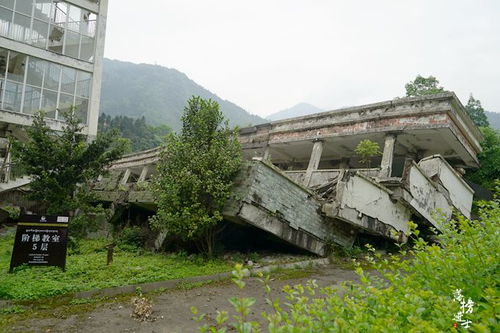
(40, 241)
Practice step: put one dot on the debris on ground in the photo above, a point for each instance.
(143, 309)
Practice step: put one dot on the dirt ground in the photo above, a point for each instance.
(172, 308)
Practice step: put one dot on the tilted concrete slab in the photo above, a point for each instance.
(265, 197)
(350, 202)
(366, 204)
(418, 192)
(459, 192)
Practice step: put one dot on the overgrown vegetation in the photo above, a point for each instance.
(141, 135)
(489, 159)
(194, 175)
(408, 295)
(476, 112)
(423, 86)
(86, 269)
(366, 149)
(61, 163)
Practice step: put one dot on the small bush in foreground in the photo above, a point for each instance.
(408, 295)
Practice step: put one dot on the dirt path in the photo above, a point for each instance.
(172, 309)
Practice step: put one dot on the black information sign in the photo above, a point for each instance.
(40, 241)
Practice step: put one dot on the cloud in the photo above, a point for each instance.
(268, 55)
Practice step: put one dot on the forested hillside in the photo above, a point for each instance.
(157, 93)
(141, 135)
(494, 119)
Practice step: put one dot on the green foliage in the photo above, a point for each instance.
(83, 301)
(489, 160)
(131, 237)
(423, 86)
(141, 135)
(476, 112)
(88, 270)
(13, 211)
(413, 291)
(366, 149)
(61, 163)
(194, 174)
(12, 309)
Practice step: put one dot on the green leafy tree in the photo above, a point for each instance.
(61, 163)
(489, 159)
(423, 86)
(366, 149)
(476, 112)
(195, 174)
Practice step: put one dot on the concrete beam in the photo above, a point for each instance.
(7, 166)
(125, 177)
(144, 174)
(266, 155)
(45, 55)
(313, 161)
(387, 156)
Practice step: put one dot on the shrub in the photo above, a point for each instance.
(408, 295)
(366, 149)
(131, 237)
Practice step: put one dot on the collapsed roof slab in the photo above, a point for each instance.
(335, 206)
(435, 124)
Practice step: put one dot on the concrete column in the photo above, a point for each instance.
(7, 166)
(266, 155)
(144, 174)
(125, 177)
(95, 94)
(387, 156)
(313, 161)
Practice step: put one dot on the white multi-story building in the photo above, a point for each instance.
(51, 54)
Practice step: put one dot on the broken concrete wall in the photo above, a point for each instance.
(364, 203)
(460, 194)
(266, 198)
(424, 196)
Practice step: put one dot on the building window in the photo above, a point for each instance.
(29, 84)
(53, 25)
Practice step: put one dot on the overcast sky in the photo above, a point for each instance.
(268, 55)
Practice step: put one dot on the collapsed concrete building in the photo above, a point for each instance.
(304, 183)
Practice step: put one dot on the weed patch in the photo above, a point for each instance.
(86, 269)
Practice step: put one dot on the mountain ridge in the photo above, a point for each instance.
(300, 109)
(159, 94)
